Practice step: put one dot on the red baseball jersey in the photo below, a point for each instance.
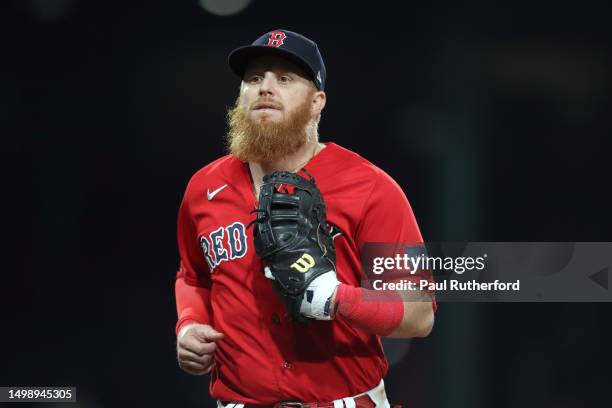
(265, 357)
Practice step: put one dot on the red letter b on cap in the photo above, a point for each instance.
(276, 39)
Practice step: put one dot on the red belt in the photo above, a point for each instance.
(362, 401)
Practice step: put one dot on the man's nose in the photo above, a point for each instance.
(267, 84)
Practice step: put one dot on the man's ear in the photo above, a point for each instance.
(318, 102)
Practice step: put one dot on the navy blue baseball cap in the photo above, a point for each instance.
(286, 44)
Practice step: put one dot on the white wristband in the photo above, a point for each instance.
(317, 296)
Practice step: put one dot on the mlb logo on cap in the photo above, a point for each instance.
(286, 44)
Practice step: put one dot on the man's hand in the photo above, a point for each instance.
(195, 347)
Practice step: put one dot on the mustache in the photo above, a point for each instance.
(266, 101)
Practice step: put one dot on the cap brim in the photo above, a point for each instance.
(240, 58)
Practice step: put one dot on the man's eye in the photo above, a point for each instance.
(254, 78)
(284, 78)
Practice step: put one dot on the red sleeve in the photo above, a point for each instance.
(192, 287)
(387, 217)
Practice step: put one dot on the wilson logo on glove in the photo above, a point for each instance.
(304, 263)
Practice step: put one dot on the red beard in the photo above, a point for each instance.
(266, 141)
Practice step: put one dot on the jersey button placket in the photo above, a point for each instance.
(287, 365)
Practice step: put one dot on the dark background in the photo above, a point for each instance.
(495, 119)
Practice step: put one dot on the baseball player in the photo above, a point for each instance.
(265, 342)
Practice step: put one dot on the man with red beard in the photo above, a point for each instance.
(231, 323)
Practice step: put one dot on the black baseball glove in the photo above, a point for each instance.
(293, 239)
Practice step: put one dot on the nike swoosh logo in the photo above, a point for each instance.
(212, 194)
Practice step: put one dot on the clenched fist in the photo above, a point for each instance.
(195, 347)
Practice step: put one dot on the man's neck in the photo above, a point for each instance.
(291, 163)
